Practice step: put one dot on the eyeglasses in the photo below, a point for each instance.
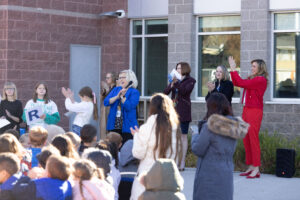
(9, 88)
(122, 77)
(107, 77)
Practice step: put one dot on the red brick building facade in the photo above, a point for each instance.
(35, 39)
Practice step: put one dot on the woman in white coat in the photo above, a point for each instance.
(159, 137)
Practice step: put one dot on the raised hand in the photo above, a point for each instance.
(64, 92)
(232, 63)
(135, 130)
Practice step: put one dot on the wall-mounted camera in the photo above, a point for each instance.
(118, 14)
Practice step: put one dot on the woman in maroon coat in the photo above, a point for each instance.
(254, 88)
(181, 95)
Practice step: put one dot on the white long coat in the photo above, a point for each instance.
(143, 146)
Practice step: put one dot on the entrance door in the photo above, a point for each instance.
(85, 70)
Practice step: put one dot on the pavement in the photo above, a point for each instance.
(267, 187)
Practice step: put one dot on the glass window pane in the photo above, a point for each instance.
(137, 27)
(287, 65)
(214, 51)
(219, 23)
(158, 26)
(286, 21)
(156, 64)
(137, 60)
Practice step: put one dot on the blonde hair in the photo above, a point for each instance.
(38, 136)
(130, 76)
(262, 69)
(58, 167)
(9, 143)
(9, 85)
(225, 73)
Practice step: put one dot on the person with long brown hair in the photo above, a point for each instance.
(49, 108)
(84, 110)
(159, 137)
(254, 89)
(106, 87)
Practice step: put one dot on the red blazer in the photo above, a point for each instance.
(254, 88)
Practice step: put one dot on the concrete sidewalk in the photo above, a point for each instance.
(267, 187)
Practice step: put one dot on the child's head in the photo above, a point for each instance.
(9, 143)
(53, 130)
(88, 134)
(88, 92)
(115, 138)
(41, 90)
(38, 136)
(13, 132)
(46, 153)
(76, 140)
(101, 158)
(65, 146)
(84, 170)
(9, 165)
(111, 148)
(24, 140)
(58, 167)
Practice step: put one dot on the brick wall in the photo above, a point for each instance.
(38, 43)
(114, 39)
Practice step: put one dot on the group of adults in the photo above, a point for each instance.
(214, 148)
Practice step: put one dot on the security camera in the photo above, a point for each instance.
(120, 13)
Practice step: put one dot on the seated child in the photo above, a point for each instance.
(163, 181)
(65, 146)
(76, 140)
(10, 175)
(128, 166)
(101, 158)
(24, 140)
(9, 143)
(88, 135)
(115, 138)
(54, 186)
(37, 137)
(89, 182)
(47, 151)
(115, 173)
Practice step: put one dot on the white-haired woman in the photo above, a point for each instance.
(123, 101)
(10, 107)
(221, 84)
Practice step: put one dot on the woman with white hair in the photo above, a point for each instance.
(123, 101)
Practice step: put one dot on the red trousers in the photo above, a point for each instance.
(253, 116)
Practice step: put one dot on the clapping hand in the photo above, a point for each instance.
(210, 86)
(135, 130)
(8, 113)
(232, 63)
(67, 92)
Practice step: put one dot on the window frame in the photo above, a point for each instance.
(143, 36)
(272, 68)
(197, 97)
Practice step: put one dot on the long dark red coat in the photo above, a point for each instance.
(183, 99)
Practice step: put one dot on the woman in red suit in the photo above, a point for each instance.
(254, 88)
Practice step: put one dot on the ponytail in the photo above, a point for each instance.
(95, 111)
(87, 91)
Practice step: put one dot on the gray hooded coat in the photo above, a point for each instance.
(215, 146)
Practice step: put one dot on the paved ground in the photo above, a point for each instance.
(267, 187)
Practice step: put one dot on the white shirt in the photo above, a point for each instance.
(84, 111)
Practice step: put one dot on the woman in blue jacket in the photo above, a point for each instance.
(123, 101)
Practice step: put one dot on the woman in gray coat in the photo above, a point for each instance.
(215, 146)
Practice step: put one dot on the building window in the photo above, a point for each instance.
(149, 54)
(286, 55)
(218, 38)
